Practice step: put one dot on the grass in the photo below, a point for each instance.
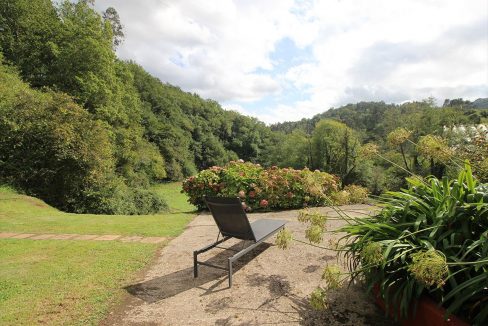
(19, 213)
(74, 282)
(64, 283)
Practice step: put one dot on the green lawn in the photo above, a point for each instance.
(20, 213)
(74, 282)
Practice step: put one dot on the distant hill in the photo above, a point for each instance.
(481, 103)
(375, 119)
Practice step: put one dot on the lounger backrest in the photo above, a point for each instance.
(230, 217)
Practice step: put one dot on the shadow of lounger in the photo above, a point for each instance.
(180, 281)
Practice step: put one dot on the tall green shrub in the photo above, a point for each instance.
(53, 149)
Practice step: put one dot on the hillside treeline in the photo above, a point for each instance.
(88, 132)
(332, 141)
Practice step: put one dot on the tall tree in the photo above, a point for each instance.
(335, 148)
(112, 16)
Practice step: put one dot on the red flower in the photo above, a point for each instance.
(252, 194)
(263, 203)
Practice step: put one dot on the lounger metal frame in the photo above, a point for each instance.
(231, 260)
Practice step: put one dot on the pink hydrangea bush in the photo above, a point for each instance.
(260, 188)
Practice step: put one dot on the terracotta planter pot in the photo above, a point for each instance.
(428, 313)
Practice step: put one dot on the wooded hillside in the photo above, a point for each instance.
(88, 132)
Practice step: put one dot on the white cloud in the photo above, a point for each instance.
(360, 50)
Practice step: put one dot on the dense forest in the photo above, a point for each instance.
(88, 132)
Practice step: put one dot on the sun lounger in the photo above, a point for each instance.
(232, 222)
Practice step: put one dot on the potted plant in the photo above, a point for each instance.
(427, 247)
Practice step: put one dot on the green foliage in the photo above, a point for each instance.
(394, 129)
(314, 233)
(27, 37)
(152, 131)
(472, 145)
(52, 148)
(283, 239)
(334, 148)
(291, 150)
(431, 237)
(25, 214)
(260, 188)
(398, 136)
(318, 299)
(316, 225)
(435, 147)
(357, 194)
(148, 131)
(372, 254)
(429, 267)
(332, 275)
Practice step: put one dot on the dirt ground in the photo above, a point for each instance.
(270, 285)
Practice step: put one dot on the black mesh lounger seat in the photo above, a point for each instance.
(232, 222)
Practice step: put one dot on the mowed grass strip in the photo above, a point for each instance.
(64, 283)
(19, 213)
(57, 282)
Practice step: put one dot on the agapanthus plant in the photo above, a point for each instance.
(431, 238)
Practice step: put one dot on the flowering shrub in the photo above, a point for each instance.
(357, 194)
(351, 194)
(260, 188)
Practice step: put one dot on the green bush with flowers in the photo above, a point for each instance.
(266, 189)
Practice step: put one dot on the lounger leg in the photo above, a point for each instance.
(195, 264)
(230, 272)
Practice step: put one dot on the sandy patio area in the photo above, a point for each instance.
(270, 285)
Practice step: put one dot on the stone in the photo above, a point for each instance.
(6, 235)
(42, 237)
(152, 240)
(131, 239)
(85, 236)
(22, 236)
(107, 237)
(62, 236)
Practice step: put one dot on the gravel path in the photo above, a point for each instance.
(271, 286)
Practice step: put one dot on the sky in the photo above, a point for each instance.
(284, 60)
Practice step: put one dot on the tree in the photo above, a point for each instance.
(28, 38)
(293, 150)
(334, 148)
(112, 16)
